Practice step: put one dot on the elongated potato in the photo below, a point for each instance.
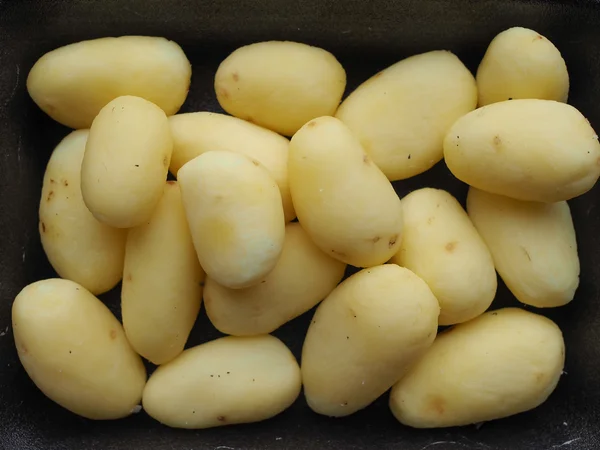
(280, 85)
(402, 114)
(197, 133)
(235, 214)
(162, 282)
(533, 150)
(499, 364)
(521, 63)
(442, 246)
(533, 246)
(75, 350)
(227, 381)
(364, 337)
(343, 201)
(73, 83)
(303, 276)
(79, 247)
(126, 162)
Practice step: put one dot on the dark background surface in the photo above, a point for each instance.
(366, 37)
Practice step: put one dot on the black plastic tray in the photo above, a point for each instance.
(366, 36)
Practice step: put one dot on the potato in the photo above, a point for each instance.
(533, 150)
(402, 114)
(79, 247)
(235, 214)
(303, 276)
(499, 364)
(442, 246)
(73, 83)
(521, 63)
(533, 246)
(126, 162)
(227, 381)
(280, 85)
(162, 282)
(343, 201)
(364, 337)
(197, 133)
(75, 350)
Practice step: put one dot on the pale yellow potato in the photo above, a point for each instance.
(533, 150)
(343, 201)
(126, 162)
(442, 246)
(303, 276)
(280, 85)
(73, 83)
(402, 114)
(497, 365)
(365, 336)
(200, 132)
(521, 63)
(75, 350)
(79, 247)
(234, 210)
(162, 281)
(227, 381)
(533, 246)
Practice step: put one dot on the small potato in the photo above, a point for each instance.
(126, 162)
(228, 381)
(280, 85)
(533, 246)
(343, 201)
(73, 83)
(197, 133)
(533, 150)
(402, 114)
(235, 214)
(442, 246)
(79, 247)
(75, 350)
(364, 337)
(521, 63)
(303, 276)
(497, 365)
(162, 281)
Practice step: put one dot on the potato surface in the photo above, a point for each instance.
(497, 365)
(227, 381)
(533, 245)
(75, 350)
(73, 83)
(364, 336)
(79, 247)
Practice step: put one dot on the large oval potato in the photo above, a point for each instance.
(533, 246)
(533, 150)
(402, 114)
(442, 246)
(73, 83)
(227, 381)
(343, 201)
(303, 276)
(126, 162)
(280, 85)
(162, 281)
(521, 63)
(79, 247)
(235, 214)
(499, 364)
(200, 132)
(364, 337)
(75, 350)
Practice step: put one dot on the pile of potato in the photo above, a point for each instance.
(224, 231)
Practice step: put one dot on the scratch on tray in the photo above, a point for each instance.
(15, 87)
(564, 444)
(440, 443)
(3, 333)
(224, 447)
